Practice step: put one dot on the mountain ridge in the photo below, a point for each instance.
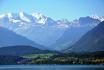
(92, 41)
(46, 31)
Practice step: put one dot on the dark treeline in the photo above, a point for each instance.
(7, 59)
(87, 58)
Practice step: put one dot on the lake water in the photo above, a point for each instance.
(51, 67)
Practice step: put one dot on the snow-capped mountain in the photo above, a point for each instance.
(39, 18)
(44, 30)
(101, 18)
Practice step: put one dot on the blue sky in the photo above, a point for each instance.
(57, 9)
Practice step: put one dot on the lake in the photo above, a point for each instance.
(51, 67)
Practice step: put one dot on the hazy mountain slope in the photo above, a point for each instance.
(21, 50)
(91, 41)
(75, 32)
(9, 38)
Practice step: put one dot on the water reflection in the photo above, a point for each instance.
(51, 67)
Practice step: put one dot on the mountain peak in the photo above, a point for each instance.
(40, 18)
(23, 17)
(2, 16)
(38, 15)
(100, 18)
(9, 15)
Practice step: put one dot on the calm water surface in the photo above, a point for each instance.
(51, 67)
